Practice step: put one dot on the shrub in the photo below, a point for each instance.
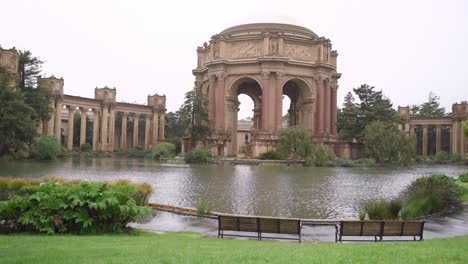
(136, 152)
(202, 207)
(46, 148)
(429, 195)
(197, 156)
(456, 157)
(320, 155)
(393, 209)
(86, 147)
(86, 207)
(271, 155)
(294, 143)
(344, 162)
(442, 157)
(164, 151)
(376, 210)
(463, 177)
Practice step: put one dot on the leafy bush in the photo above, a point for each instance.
(202, 207)
(429, 195)
(344, 162)
(393, 209)
(164, 151)
(456, 157)
(22, 153)
(382, 210)
(365, 162)
(86, 147)
(320, 155)
(463, 177)
(294, 143)
(271, 155)
(442, 157)
(136, 152)
(46, 148)
(197, 155)
(86, 207)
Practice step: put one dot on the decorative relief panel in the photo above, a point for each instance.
(298, 52)
(244, 49)
(207, 56)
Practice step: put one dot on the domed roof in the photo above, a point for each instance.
(269, 27)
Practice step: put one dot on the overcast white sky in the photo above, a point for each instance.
(406, 48)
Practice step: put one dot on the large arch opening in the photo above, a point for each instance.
(244, 113)
(297, 104)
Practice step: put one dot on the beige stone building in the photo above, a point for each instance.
(101, 110)
(435, 134)
(266, 62)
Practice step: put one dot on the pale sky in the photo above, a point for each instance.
(406, 48)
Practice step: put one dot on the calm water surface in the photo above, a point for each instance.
(242, 189)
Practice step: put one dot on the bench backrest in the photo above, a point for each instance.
(381, 228)
(259, 224)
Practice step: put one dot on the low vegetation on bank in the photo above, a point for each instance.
(425, 196)
(196, 248)
(58, 206)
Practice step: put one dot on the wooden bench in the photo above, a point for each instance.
(379, 229)
(259, 226)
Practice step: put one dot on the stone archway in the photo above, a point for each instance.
(301, 108)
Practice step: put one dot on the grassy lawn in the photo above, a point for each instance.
(193, 248)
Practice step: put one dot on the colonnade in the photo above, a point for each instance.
(326, 106)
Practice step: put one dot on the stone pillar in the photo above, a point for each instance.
(161, 126)
(135, 130)
(211, 101)
(334, 113)
(51, 121)
(424, 141)
(438, 141)
(111, 128)
(265, 97)
(327, 106)
(147, 132)
(104, 127)
(123, 137)
(455, 133)
(220, 104)
(71, 115)
(95, 129)
(58, 120)
(320, 105)
(83, 125)
(279, 100)
(155, 127)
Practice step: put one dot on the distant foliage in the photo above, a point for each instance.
(320, 155)
(431, 108)
(136, 152)
(271, 155)
(86, 147)
(46, 148)
(294, 143)
(443, 157)
(164, 151)
(197, 156)
(86, 207)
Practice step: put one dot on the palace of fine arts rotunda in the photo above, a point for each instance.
(266, 62)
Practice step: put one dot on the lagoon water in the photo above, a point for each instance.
(326, 193)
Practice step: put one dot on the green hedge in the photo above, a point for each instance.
(163, 151)
(71, 207)
(46, 148)
(197, 155)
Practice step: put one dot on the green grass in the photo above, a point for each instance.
(193, 248)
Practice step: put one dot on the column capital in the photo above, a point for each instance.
(84, 109)
(221, 76)
(71, 108)
(279, 75)
(265, 74)
(124, 114)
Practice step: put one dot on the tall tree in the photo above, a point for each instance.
(372, 106)
(429, 108)
(17, 119)
(193, 116)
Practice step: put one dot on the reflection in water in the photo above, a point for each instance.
(260, 190)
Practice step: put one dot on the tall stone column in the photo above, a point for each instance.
(424, 141)
(320, 104)
(104, 127)
(58, 119)
(265, 98)
(155, 127)
(455, 134)
(334, 112)
(83, 125)
(211, 101)
(111, 128)
(51, 121)
(123, 137)
(220, 103)
(279, 100)
(95, 129)
(147, 132)
(438, 139)
(135, 130)
(71, 115)
(327, 107)
(161, 126)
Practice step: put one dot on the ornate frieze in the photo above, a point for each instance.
(244, 49)
(298, 52)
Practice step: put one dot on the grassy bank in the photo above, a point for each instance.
(192, 248)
